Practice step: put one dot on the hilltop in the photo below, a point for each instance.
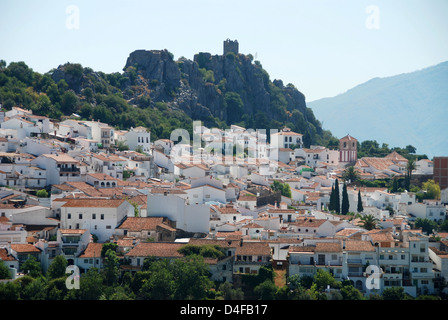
(160, 93)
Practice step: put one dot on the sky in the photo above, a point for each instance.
(323, 47)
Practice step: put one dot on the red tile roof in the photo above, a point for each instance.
(156, 249)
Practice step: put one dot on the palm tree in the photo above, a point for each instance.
(351, 174)
(409, 168)
(369, 222)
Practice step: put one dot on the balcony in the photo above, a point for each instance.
(392, 275)
(396, 262)
(69, 170)
(356, 274)
(354, 261)
(421, 275)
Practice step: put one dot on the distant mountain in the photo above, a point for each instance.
(406, 109)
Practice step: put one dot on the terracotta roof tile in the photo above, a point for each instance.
(328, 247)
(24, 248)
(156, 249)
(93, 250)
(93, 203)
(141, 223)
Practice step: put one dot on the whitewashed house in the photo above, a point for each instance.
(99, 216)
(138, 137)
(188, 217)
(433, 210)
(59, 168)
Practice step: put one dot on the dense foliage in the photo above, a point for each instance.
(94, 96)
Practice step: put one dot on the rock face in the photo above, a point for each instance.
(215, 89)
(155, 64)
(200, 87)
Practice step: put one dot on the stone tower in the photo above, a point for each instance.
(230, 46)
(348, 149)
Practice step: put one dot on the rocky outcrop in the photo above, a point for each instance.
(199, 86)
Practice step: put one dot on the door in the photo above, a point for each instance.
(321, 259)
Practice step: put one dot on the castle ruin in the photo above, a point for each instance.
(230, 46)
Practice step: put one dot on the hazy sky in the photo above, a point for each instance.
(323, 47)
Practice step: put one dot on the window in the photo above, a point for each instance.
(93, 215)
(80, 216)
(102, 216)
(69, 216)
(108, 227)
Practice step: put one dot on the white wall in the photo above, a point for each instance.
(191, 218)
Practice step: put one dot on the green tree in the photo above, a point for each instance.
(337, 201)
(360, 207)
(394, 293)
(43, 105)
(32, 267)
(284, 188)
(266, 290)
(351, 293)
(411, 166)
(161, 284)
(111, 267)
(230, 293)
(323, 278)
(332, 204)
(108, 246)
(192, 278)
(121, 145)
(57, 267)
(69, 102)
(9, 291)
(42, 193)
(34, 289)
(427, 225)
(345, 202)
(90, 285)
(4, 271)
(350, 175)
(431, 189)
(369, 222)
(235, 107)
(56, 289)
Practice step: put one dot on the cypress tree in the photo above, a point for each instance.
(360, 207)
(331, 205)
(345, 203)
(337, 200)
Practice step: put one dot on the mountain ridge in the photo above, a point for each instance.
(408, 108)
(162, 94)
